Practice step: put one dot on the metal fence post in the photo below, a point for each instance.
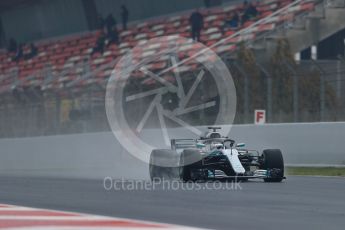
(268, 92)
(322, 97)
(339, 79)
(269, 98)
(245, 91)
(338, 87)
(295, 98)
(322, 90)
(295, 92)
(57, 113)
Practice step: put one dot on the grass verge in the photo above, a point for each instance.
(315, 171)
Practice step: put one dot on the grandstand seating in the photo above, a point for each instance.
(75, 51)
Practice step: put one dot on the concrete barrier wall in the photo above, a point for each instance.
(97, 155)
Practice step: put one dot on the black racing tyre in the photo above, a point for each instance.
(152, 170)
(273, 159)
(189, 159)
(164, 163)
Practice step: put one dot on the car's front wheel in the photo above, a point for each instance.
(272, 160)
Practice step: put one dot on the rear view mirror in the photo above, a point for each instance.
(240, 145)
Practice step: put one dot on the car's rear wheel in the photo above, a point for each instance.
(272, 159)
(190, 160)
(163, 164)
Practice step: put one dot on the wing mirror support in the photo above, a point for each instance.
(240, 145)
(200, 145)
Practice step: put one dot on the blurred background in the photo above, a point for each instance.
(286, 57)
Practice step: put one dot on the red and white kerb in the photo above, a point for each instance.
(19, 218)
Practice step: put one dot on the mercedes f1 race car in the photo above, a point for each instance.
(215, 157)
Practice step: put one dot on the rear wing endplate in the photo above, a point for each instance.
(183, 143)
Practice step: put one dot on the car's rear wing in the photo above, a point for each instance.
(183, 144)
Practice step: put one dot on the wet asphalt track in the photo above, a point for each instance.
(297, 203)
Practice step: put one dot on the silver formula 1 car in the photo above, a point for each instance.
(215, 157)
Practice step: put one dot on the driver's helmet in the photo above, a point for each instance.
(216, 146)
(213, 135)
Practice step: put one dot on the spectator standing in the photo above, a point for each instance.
(250, 11)
(110, 23)
(99, 47)
(113, 37)
(111, 30)
(32, 53)
(196, 21)
(124, 16)
(100, 22)
(19, 53)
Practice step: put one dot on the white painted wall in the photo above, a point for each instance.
(97, 155)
